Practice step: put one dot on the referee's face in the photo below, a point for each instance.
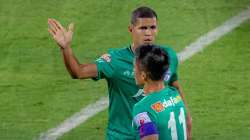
(144, 31)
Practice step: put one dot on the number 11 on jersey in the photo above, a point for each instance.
(172, 124)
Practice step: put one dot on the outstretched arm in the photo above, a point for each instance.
(63, 39)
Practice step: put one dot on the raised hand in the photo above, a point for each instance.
(62, 37)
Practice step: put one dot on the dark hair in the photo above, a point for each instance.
(153, 60)
(142, 12)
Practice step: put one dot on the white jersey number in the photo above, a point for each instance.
(172, 124)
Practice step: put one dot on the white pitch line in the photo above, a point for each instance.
(213, 35)
(188, 52)
(75, 120)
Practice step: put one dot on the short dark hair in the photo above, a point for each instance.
(153, 60)
(142, 12)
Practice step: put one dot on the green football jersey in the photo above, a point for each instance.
(166, 110)
(117, 68)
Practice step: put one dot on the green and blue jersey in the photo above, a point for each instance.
(117, 68)
(162, 113)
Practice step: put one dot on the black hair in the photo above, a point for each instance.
(142, 12)
(153, 60)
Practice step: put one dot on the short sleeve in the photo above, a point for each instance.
(104, 65)
(141, 118)
(173, 69)
(143, 125)
(173, 78)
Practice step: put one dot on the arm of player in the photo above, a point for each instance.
(144, 127)
(150, 137)
(63, 38)
(189, 119)
(75, 69)
(148, 131)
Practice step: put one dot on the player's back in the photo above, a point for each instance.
(166, 109)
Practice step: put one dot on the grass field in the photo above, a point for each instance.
(216, 82)
(36, 93)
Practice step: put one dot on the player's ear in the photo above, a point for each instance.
(143, 76)
(130, 28)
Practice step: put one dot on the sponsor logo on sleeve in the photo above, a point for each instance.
(167, 75)
(104, 57)
(141, 118)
